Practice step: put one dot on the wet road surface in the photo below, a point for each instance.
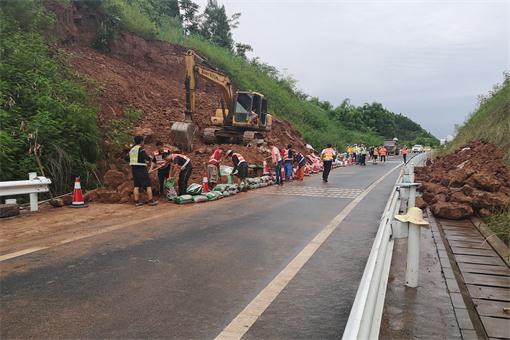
(204, 268)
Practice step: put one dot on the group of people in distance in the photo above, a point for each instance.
(170, 164)
(360, 153)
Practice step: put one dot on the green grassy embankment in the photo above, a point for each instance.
(490, 122)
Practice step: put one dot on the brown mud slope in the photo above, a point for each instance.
(147, 75)
(471, 181)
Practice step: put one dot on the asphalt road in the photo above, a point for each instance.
(199, 271)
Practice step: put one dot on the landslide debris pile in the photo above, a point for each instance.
(472, 181)
(146, 75)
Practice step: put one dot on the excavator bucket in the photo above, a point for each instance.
(182, 134)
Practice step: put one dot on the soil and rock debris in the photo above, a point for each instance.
(472, 181)
(146, 75)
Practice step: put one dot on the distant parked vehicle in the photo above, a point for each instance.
(417, 148)
(392, 146)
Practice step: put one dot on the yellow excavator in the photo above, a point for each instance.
(241, 118)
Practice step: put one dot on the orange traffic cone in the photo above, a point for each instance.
(205, 185)
(78, 200)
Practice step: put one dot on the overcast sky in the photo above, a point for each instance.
(428, 60)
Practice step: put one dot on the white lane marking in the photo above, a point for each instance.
(243, 322)
(316, 192)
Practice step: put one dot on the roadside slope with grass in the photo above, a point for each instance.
(483, 138)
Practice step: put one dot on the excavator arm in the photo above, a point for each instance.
(182, 133)
(192, 69)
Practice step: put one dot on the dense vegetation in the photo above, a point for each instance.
(210, 33)
(44, 109)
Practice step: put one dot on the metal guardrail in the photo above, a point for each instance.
(32, 186)
(366, 313)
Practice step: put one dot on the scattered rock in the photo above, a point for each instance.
(56, 202)
(433, 188)
(91, 196)
(485, 182)
(475, 175)
(428, 197)
(451, 210)
(467, 190)
(125, 189)
(146, 133)
(67, 199)
(444, 181)
(108, 196)
(8, 210)
(458, 178)
(484, 212)
(460, 197)
(113, 178)
(420, 203)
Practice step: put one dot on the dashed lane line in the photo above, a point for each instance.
(249, 315)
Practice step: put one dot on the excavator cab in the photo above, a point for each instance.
(250, 110)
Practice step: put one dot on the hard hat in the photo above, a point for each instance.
(414, 215)
(229, 152)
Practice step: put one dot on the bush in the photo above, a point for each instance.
(39, 96)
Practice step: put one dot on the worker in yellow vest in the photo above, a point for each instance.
(138, 161)
(327, 156)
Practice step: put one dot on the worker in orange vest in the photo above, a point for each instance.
(405, 151)
(327, 156)
(383, 152)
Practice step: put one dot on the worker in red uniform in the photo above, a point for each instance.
(213, 167)
(181, 164)
(405, 151)
(159, 163)
(240, 166)
(301, 163)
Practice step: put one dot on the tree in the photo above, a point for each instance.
(189, 18)
(241, 50)
(216, 25)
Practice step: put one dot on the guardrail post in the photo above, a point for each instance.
(34, 204)
(411, 202)
(413, 256)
